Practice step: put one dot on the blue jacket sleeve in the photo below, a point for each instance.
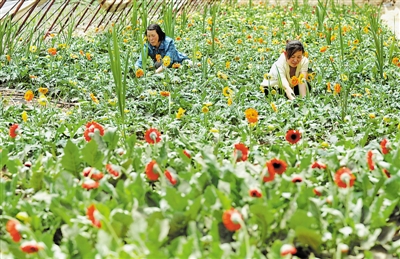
(172, 52)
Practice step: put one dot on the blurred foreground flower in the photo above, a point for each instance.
(91, 127)
(152, 136)
(240, 152)
(344, 178)
(231, 219)
(91, 214)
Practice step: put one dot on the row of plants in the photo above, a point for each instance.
(196, 161)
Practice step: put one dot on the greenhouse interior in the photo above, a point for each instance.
(200, 129)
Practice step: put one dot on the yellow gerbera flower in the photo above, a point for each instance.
(227, 91)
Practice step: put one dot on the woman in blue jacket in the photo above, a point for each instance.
(159, 43)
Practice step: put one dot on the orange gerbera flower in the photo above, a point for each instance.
(255, 193)
(318, 165)
(385, 149)
(294, 81)
(323, 48)
(88, 56)
(152, 136)
(170, 178)
(251, 115)
(52, 51)
(337, 88)
(139, 73)
(91, 210)
(230, 219)
(293, 136)
(344, 178)
(276, 166)
(12, 227)
(113, 170)
(13, 130)
(91, 127)
(152, 171)
(369, 160)
(240, 152)
(158, 58)
(31, 247)
(165, 93)
(28, 95)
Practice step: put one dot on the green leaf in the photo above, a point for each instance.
(12, 165)
(3, 157)
(71, 160)
(300, 218)
(92, 156)
(225, 200)
(111, 138)
(308, 237)
(175, 200)
(193, 211)
(84, 247)
(60, 211)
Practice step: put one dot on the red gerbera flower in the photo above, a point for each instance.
(113, 170)
(89, 184)
(230, 219)
(383, 144)
(287, 249)
(276, 166)
(12, 227)
(187, 153)
(170, 178)
(31, 247)
(293, 136)
(91, 127)
(241, 152)
(152, 171)
(270, 177)
(369, 160)
(297, 179)
(93, 173)
(255, 193)
(386, 172)
(318, 165)
(152, 136)
(91, 210)
(344, 178)
(13, 130)
(318, 191)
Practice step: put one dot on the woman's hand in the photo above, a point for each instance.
(160, 69)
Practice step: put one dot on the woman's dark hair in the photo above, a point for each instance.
(157, 28)
(292, 46)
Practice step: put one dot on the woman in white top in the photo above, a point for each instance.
(290, 63)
